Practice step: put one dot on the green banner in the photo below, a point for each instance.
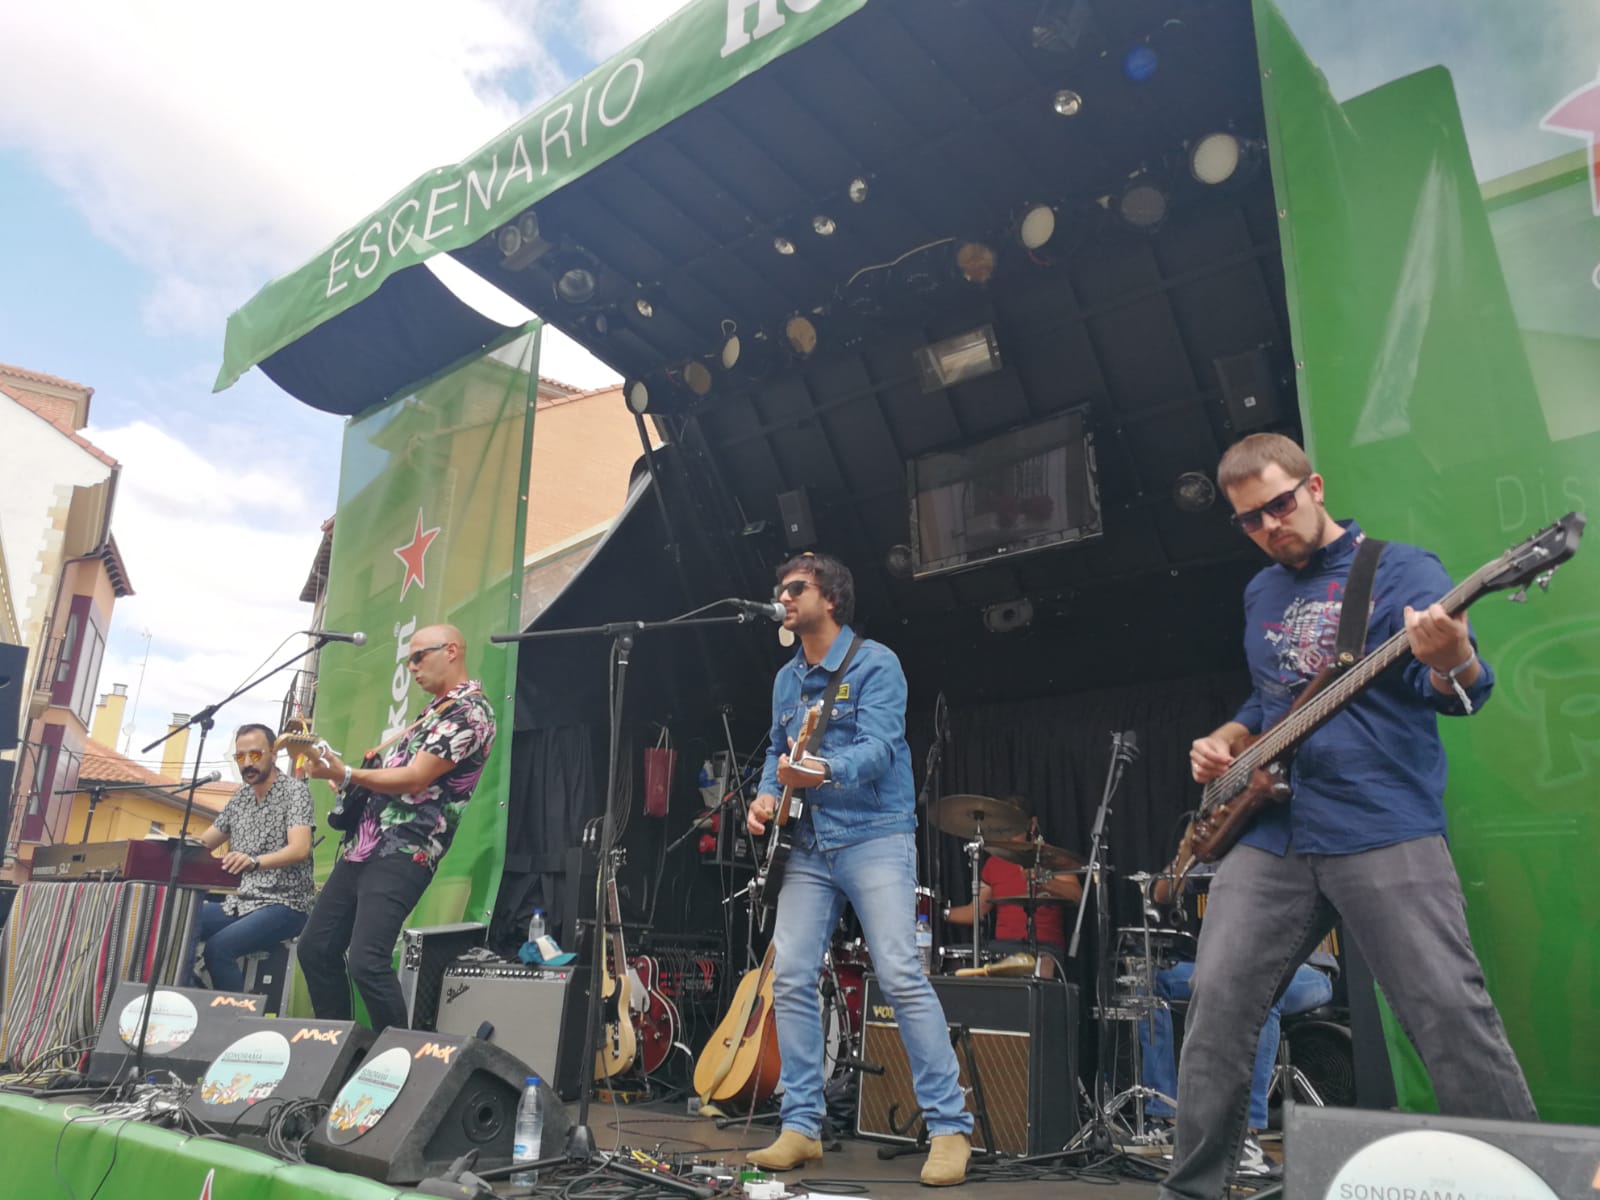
(700, 51)
(1447, 352)
(429, 530)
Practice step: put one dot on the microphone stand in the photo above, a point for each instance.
(205, 719)
(930, 795)
(580, 1148)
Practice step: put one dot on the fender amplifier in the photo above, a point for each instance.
(525, 1004)
(187, 1029)
(1020, 1033)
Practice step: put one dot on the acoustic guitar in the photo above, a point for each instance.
(768, 881)
(741, 1060)
(619, 1044)
(1259, 773)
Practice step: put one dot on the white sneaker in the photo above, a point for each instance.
(1254, 1163)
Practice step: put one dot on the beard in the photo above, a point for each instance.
(1292, 550)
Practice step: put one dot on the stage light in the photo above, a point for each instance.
(697, 377)
(1140, 63)
(858, 190)
(643, 307)
(519, 243)
(975, 262)
(1067, 103)
(731, 346)
(1009, 616)
(823, 225)
(1215, 158)
(636, 394)
(898, 561)
(800, 332)
(1194, 492)
(955, 359)
(1142, 205)
(1037, 227)
(783, 245)
(576, 285)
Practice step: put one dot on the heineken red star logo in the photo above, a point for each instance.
(205, 1188)
(414, 555)
(1579, 116)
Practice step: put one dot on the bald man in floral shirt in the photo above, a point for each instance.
(419, 791)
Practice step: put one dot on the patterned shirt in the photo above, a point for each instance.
(459, 727)
(260, 825)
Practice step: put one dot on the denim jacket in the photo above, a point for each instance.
(871, 792)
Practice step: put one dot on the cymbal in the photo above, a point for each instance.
(1028, 853)
(965, 816)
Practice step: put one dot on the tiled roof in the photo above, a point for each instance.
(41, 377)
(102, 764)
(45, 408)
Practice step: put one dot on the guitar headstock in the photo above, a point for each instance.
(808, 727)
(1535, 559)
(302, 743)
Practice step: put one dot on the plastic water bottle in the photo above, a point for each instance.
(530, 1128)
(536, 925)
(925, 945)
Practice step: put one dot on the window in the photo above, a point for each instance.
(42, 786)
(83, 645)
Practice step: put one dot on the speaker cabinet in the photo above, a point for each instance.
(799, 530)
(420, 1100)
(424, 954)
(524, 1004)
(1357, 1152)
(1249, 391)
(276, 1060)
(1021, 1044)
(188, 1028)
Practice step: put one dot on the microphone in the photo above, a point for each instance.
(214, 777)
(1128, 749)
(761, 608)
(355, 639)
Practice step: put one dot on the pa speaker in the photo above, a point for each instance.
(271, 1063)
(1346, 1152)
(421, 1100)
(1249, 391)
(1020, 1033)
(799, 530)
(188, 1028)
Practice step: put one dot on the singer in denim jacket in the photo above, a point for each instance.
(855, 842)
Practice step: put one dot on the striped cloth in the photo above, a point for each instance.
(65, 949)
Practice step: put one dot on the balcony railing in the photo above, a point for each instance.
(301, 698)
(49, 662)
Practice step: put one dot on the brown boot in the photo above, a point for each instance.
(791, 1150)
(947, 1160)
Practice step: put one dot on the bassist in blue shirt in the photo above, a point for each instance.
(854, 841)
(1362, 836)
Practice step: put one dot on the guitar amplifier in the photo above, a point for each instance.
(1021, 1036)
(424, 954)
(525, 1004)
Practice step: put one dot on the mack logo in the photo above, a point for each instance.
(769, 19)
(331, 1036)
(884, 1012)
(1578, 115)
(232, 1002)
(434, 1050)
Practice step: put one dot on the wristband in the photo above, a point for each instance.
(1454, 676)
(348, 773)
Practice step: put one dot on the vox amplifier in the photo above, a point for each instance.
(1021, 1048)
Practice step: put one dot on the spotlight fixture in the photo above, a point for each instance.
(783, 245)
(1067, 103)
(1009, 616)
(858, 190)
(637, 395)
(953, 360)
(1037, 226)
(1142, 204)
(898, 561)
(823, 225)
(800, 332)
(643, 307)
(1193, 492)
(975, 262)
(577, 277)
(731, 346)
(697, 377)
(1214, 158)
(519, 243)
(1140, 63)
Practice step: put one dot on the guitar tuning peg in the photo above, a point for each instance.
(1543, 579)
(1520, 596)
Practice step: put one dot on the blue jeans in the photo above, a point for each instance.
(230, 938)
(879, 879)
(1309, 989)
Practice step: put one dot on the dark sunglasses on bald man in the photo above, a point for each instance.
(1279, 507)
(417, 656)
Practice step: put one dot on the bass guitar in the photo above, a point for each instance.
(619, 1044)
(1259, 773)
(741, 1060)
(768, 880)
(655, 1014)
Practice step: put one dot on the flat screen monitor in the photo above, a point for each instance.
(1025, 490)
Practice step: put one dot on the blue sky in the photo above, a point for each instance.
(156, 174)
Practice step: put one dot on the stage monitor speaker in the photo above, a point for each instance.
(524, 1004)
(188, 1028)
(799, 530)
(1022, 1037)
(1250, 391)
(1339, 1153)
(420, 1100)
(271, 1062)
(13, 672)
(424, 954)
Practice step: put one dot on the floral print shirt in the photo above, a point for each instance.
(458, 726)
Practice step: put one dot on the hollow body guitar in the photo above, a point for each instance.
(1259, 773)
(655, 1015)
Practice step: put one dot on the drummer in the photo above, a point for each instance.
(1003, 885)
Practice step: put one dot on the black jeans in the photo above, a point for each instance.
(360, 911)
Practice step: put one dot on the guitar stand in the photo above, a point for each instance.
(960, 1036)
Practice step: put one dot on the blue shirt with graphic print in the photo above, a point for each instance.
(1374, 775)
(871, 792)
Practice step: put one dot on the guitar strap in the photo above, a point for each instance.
(1351, 641)
(830, 690)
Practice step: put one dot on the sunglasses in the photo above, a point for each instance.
(417, 656)
(792, 589)
(248, 757)
(1279, 507)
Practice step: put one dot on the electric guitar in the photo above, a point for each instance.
(351, 802)
(656, 1015)
(768, 880)
(1259, 773)
(619, 1044)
